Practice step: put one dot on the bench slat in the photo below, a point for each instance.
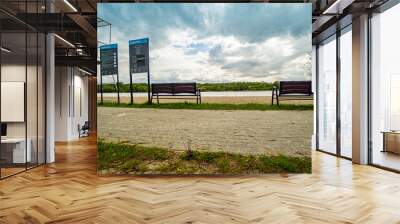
(292, 90)
(185, 89)
(162, 89)
(295, 87)
(174, 88)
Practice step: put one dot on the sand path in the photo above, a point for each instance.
(261, 132)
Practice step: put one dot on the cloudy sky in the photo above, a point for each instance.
(213, 42)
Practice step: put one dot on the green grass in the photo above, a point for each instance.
(135, 159)
(211, 106)
(232, 86)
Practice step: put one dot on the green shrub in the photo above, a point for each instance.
(224, 165)
(133, 158)
(206, 156)
(282, 163)
(142, 168)
(152, 153)
(130, 165)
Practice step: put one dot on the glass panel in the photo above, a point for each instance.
(386, 89)
(314, 80)
(13, 86)
(41, 99)
(346, 93)
(327, 96)
(31, 99)
(32, 88)
(23, 82)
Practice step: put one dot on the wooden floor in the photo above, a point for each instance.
(387, 159)
(5, 172)
(69, 191)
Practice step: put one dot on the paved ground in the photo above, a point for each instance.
(261, 132)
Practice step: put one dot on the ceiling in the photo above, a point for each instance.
(75, 22)
(330, 15)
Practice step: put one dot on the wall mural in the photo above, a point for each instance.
(194, 86)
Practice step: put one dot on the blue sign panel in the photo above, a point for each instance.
(108, 46)
(139, 41)
(109, 59)
(139, 55)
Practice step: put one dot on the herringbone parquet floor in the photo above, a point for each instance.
(69, 191)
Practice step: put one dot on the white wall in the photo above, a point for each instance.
(62, 83)
(71, 87)
(81, 83)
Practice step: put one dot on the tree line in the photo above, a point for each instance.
(205, 87)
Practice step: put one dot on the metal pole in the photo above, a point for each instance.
(338, 98)
(118, 78)
(25, 87)
(148, 75)
(369, 77)
(148, 83)
(131, 88)
(37, 89)
(316, 97)
(118, 87)
(46, 37)
(130, 75)
(101, 88)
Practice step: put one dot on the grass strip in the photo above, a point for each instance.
(123, 158)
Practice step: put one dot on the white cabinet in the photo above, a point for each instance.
(19, 155)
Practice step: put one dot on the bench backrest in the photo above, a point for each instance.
(173, 88)
(162, 88)
(295, 87)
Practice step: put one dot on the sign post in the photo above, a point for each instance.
(139, 62)
(101, 89)
(109, 65)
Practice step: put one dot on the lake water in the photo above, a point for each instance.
(218, 93)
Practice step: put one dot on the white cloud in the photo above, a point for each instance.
(181, 51)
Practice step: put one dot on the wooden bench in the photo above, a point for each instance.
(172, 90)
(292, 90)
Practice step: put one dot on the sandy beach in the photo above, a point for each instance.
(257, 132)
